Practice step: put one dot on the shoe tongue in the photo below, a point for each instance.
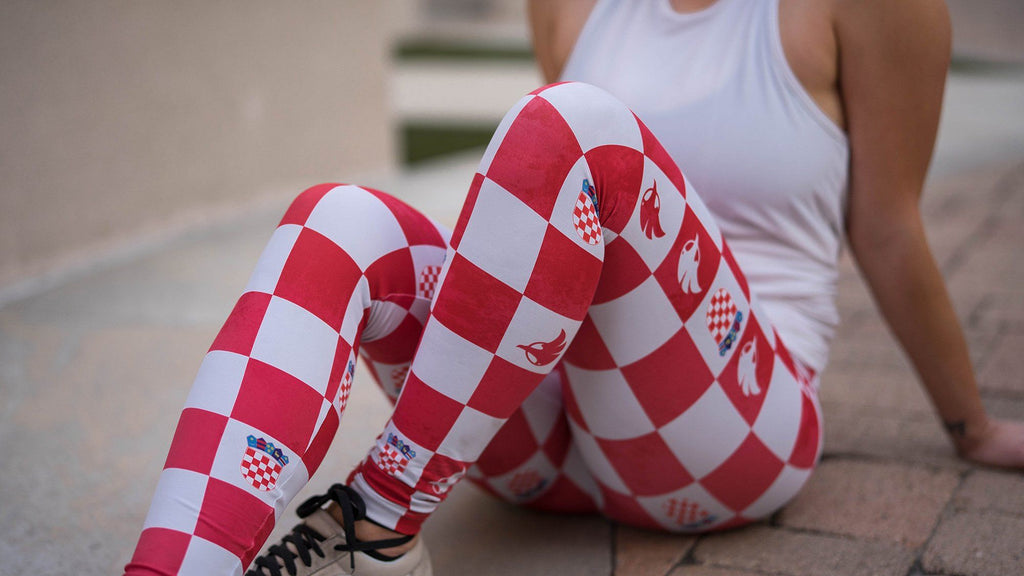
(324, 523)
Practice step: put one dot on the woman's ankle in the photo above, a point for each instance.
(367, 531)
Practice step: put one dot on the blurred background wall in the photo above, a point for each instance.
(124, 123)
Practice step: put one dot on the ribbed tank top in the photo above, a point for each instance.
(715, 87)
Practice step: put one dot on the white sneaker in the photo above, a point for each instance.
(318, 546)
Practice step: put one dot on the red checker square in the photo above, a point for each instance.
(196, 440)
(669, 380)
(321, 442)
(418, 229)
(419, 399)
(564, 276)
(535, 156)
(475, 305)
(339, 369)
(513, 445)
(399, 346)
(646, 464)
(745, 476)
(503, 388)
(565, 497)
(661, 158)
(304, 203)
(805, 453)
(240, 329)
(319, 276)
(618, 176)
(588, 350)
(440, 474)
(746, 377)
(556, 445)
(410, 522)
(730, 260)
(278, 404)
(467, 210)
(392, 273)
(227, 517)
(622, 272)
(693, 251)
(159, 551)
(625, 509)
(572, 408)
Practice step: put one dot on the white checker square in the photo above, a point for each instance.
(268, 269)
(170, 508)
(565, 204)
(203, 557)
(359, 222)
(575, 469)
(778, 423)
(217, 383)
(595, 116)
(499, 135)
(608, 405)
(717, 353)
(669, 213)
(449, 363)
(544, 407)
(637, 323)
(384, 317)
(707, 434)
(295, 341)
(357, 306)
(785, 487)
(471, 433)
(503, 236)
(688, 509)
(595, 460)
(533, 326)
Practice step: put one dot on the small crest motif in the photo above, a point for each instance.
(262, 463)
(585, 215)
(687, 514)
(724, 320)
(543, 353)
(346, 385)
(427, 284)
(689, 266)
(526, 484)
(395, 455)
(746, 369)
(650, 209)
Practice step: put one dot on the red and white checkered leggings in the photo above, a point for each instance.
(585, 338)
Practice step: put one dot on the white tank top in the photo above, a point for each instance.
(715, 87)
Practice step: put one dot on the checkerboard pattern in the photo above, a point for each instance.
(342, 268)
(586, 349)
(661, 410)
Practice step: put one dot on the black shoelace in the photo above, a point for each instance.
(305, 540)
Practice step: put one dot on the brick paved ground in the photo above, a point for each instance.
(93, 373)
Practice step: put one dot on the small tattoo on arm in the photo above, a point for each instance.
(958, 428)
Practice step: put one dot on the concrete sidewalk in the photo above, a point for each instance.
(94, 372)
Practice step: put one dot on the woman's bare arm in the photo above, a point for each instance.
(893, 61)
(555, 25)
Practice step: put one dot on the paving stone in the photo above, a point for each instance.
(871, 500)
(474, 533)
(977, 544)
(696, 570)
(647, 553)
(1004, 367)
(991, 491)
(874, 386)
(772, 550)
(909, 438)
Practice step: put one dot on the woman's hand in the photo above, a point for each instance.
(1000, 443)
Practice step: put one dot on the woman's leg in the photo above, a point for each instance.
(342, 267)
(579, 229)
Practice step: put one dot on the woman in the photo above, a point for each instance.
(593, 344)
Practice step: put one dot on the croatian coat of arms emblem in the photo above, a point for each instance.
(262, 463)
(585, 215)
(724, 320)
